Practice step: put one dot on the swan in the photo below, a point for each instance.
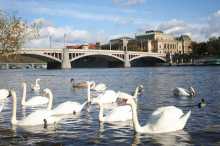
(34, 101)
(1, 106)
(36, 86)
(178, 91)
(164, 119)
(137, 92)
(109, 96)
(101, 87)
(78, 85)
(70, 107)
(39, 117)
(4, 93)
(120, 113)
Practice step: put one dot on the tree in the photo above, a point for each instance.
(13, 33)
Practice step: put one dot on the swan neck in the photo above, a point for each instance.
(50, 103)
(136, 92)
(14, 108)
(36, 82)
(101, 110)
(83, 105)
(24, 94)
(135, 117)
(88, 93)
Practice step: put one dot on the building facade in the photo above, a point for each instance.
(153, 41)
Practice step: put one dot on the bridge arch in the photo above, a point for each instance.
(97, 60)
(146, 60)
(43, 55)
(147, 56)
(96, 54)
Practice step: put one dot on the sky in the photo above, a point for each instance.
(90, 21)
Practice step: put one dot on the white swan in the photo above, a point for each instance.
(164, 119)
(33, 101)
(109, 96)
(137, 91)
(70, 107)
(178, 91)
(39, 117)
(1, 106)
(120, 113)
(4, 93)
(101, 87)
(36, 86)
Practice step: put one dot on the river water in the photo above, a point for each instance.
(203, 126)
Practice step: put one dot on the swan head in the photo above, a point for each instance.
(10, 92)
(192, 91)
(24, 83)
(72, 80)
(126, 101)
(91, 84)
(46, 91)
(38, 79)
(140, 89)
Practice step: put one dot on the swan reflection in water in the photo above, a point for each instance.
(177, 138)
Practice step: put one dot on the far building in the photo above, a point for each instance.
(153, 41)
(150, 41)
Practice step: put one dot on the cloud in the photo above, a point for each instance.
(73, 36)
(210, 27)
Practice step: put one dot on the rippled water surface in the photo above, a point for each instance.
(203, 127)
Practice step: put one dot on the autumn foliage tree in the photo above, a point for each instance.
(13, 33)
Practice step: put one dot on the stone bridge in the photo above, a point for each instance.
(66, 56)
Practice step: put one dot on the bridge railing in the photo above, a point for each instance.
(88, 50)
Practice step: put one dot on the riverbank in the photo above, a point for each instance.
(21, 62)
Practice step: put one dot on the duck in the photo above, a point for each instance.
(38, 117)
(162, 120)
(36, 86)
(4, 93)
(202, 103)
(79, 84)
(178, 91)
(33, 101)
(71, 107)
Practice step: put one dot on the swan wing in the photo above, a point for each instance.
(36, 118)
(165, 119)
(124, 95)
(67, 107)
(121, 113)
(100, 87)
(37, 100)
(108, 96)
(4, 93)
(181, 92)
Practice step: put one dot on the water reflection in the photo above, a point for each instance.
(167, 139)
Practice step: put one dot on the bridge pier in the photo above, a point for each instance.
(127, 63)
(65, 60)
